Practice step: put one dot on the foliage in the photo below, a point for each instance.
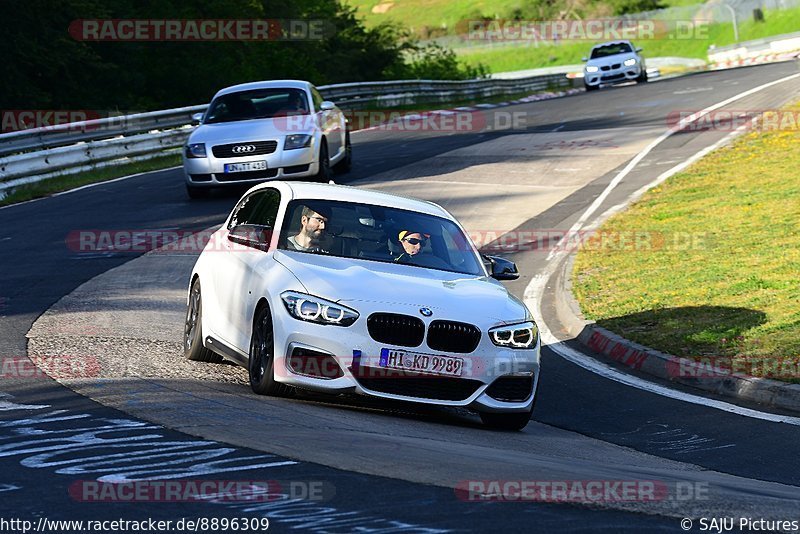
(46, 68)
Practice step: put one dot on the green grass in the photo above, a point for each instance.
(527, 56)
(70, 181)
(720, 274)
(416, 14)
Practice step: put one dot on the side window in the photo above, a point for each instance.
(260, 208)
(317, 98)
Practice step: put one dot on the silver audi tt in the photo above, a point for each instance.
(260, 131)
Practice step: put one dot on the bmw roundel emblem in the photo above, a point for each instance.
(427, 312)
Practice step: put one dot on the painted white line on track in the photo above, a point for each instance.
(536, 288)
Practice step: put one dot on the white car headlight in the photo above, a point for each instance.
(629, 62)
(515, 336)
(294, 141)
(591, 68)
(317, 310)
(196, 150)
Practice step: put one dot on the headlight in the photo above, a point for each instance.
(591, 68)
(296, 141)
(317, 310)
(629, 62)
(196, 150)
(515, 336)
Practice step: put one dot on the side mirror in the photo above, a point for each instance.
(584, 59)
(639, 49)
(197, 118)
(327, 105)
(251, 235)
(501, 268)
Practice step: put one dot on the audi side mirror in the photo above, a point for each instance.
(327, 106)
(197, 118)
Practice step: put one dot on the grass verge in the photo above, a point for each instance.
(526, 56)
(66, 182)
(710, 267)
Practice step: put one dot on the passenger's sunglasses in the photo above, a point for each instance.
(415, 241)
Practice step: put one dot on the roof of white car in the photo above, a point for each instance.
(609, 43)
(310, 190)
(270, 84)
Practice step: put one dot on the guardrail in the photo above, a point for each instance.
(35, 154)
(775, 44)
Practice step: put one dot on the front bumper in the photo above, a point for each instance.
(612, 76)
(288, 164)
(354, 356)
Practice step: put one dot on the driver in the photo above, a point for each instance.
(312, 231)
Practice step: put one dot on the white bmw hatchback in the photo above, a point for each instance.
(338, 289)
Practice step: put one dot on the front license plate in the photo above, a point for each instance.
(422, 363)
(248, 166)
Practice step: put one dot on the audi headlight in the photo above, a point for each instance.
(296, 141)
(591, 68)
(317, 310)
(196, 150)
(629, 62)
(515, 336)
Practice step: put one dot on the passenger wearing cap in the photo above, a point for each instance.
(412, 242)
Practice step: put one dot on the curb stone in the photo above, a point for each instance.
(613, 347)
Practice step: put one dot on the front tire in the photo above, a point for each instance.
(197, 192)
(590, 87)
(506, 421)
(261, 366)
(347, 161)
(193, 348)
(324, 173)
(642, 77)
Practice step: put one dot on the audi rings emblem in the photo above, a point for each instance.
(243, 149)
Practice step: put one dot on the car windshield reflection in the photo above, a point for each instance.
(378, 233)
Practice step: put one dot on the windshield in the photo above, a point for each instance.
(611, 50)
(377, 233)
(257, 104)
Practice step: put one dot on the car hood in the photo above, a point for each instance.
(252, 130)
(454, 294)
(610, 60)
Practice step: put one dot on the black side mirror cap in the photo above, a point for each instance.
(501, 268)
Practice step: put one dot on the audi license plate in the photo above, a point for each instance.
(422, 363)
(247, 166)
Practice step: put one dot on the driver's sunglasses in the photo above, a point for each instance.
(320, 219)
(415, 241)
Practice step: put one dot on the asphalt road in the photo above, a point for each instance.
(39, 269)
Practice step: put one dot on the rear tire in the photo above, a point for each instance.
(193, 348)
(261, 365)
(324, 173)
(346, 163)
